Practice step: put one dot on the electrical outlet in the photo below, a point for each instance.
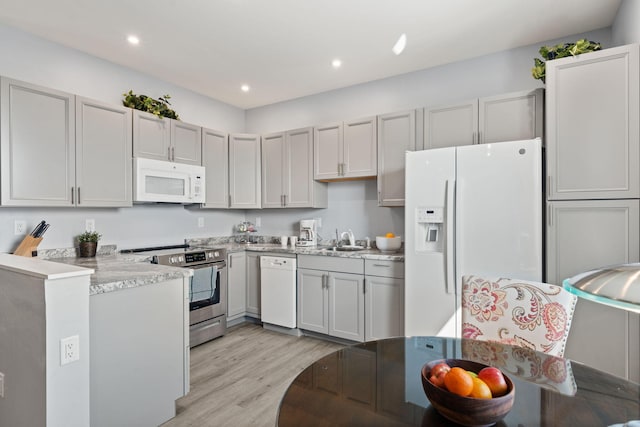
(90, 225)
(69, 349)
(1, 384)
(200, 222)
(258, 221)
(19, 227)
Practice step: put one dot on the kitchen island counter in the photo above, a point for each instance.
(117, 272)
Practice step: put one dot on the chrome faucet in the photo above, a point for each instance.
(349, 236)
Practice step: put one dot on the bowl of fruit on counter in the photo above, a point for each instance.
(467, 392)
(389, 243)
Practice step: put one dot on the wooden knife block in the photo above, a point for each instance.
(28, 247)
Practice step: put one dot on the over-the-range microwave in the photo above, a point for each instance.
(167, 182)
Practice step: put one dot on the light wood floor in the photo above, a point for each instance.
(239, 379)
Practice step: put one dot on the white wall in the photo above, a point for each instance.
(354, 204)
(32, 59)
(351, 204)
(626, 27)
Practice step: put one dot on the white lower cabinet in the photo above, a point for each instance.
(236, 285)
(384, 299)
(331, 296)
(583, 236)
(253, 284)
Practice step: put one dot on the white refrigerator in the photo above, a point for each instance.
(469, 210)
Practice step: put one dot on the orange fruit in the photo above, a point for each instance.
(390, 235)
(480, 389)
(458, 381)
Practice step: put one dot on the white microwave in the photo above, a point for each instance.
(167, 182)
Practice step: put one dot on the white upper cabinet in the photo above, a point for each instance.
(451, 125)
(511, 117)
(287, 171)
(593, 113)
(244, 171)
(59, 150)
(166, 139)
(506, 117)
(396, 136)
(37, 145)
(215, 158)
(346, 150)
(103, 154)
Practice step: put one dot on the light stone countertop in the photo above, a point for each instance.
(115, 271)
(323, 251)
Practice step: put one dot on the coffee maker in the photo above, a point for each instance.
(308, 236)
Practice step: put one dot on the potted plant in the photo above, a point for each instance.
(561, 51)
(88, 243)
(158, 107)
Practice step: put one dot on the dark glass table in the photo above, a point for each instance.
(378, 384)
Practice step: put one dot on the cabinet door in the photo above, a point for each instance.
(37, 145)
(451, 125)
(511, 117)
(274, 170)
(327, 150)
(396, 135)
(360, 150)
(384, 307)
(253, 284)
(151, 136)
(312, 301)
(582, 236)
(346, 306)
(593, 113)
(301, 191)
(186, 143)
(103, 154)
(215, 158)
(244, 171)
(236, 285)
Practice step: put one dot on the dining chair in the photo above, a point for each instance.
(518, 312)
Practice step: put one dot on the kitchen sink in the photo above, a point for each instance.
(348, 248)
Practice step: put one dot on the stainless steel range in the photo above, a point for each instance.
(207, 289)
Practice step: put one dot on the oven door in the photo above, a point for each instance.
(207, 292)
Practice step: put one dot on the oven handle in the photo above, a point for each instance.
(218, 265)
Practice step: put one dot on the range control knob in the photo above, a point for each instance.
(172, 260)
(216, 254)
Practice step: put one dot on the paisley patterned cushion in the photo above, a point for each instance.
(528, 314)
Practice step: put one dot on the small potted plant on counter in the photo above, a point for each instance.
(88, 243)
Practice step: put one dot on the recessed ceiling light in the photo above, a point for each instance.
(245, 88)
(133, 40)
(336, 63)
(400, 44)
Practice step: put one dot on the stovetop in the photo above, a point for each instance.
(181, 255)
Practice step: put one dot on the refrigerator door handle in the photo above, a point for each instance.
(450, 279)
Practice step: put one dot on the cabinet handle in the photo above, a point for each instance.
(229, 200)
(169, 153)
(284, 197)
(480, 140)
(550, 215)
(78, 195)
(231, 261)
(71, 195)
(381, 265)
(473, 138)
(173, 154)
(364, 286)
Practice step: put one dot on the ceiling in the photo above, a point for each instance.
(283, 48)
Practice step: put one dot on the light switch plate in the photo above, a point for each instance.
(1, 385)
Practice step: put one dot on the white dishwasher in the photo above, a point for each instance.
(278, 291)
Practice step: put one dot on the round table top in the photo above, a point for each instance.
(378, 383)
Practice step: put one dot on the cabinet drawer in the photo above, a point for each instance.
(374, 267)
(327, 263)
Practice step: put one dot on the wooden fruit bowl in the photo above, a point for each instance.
(467, 411)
